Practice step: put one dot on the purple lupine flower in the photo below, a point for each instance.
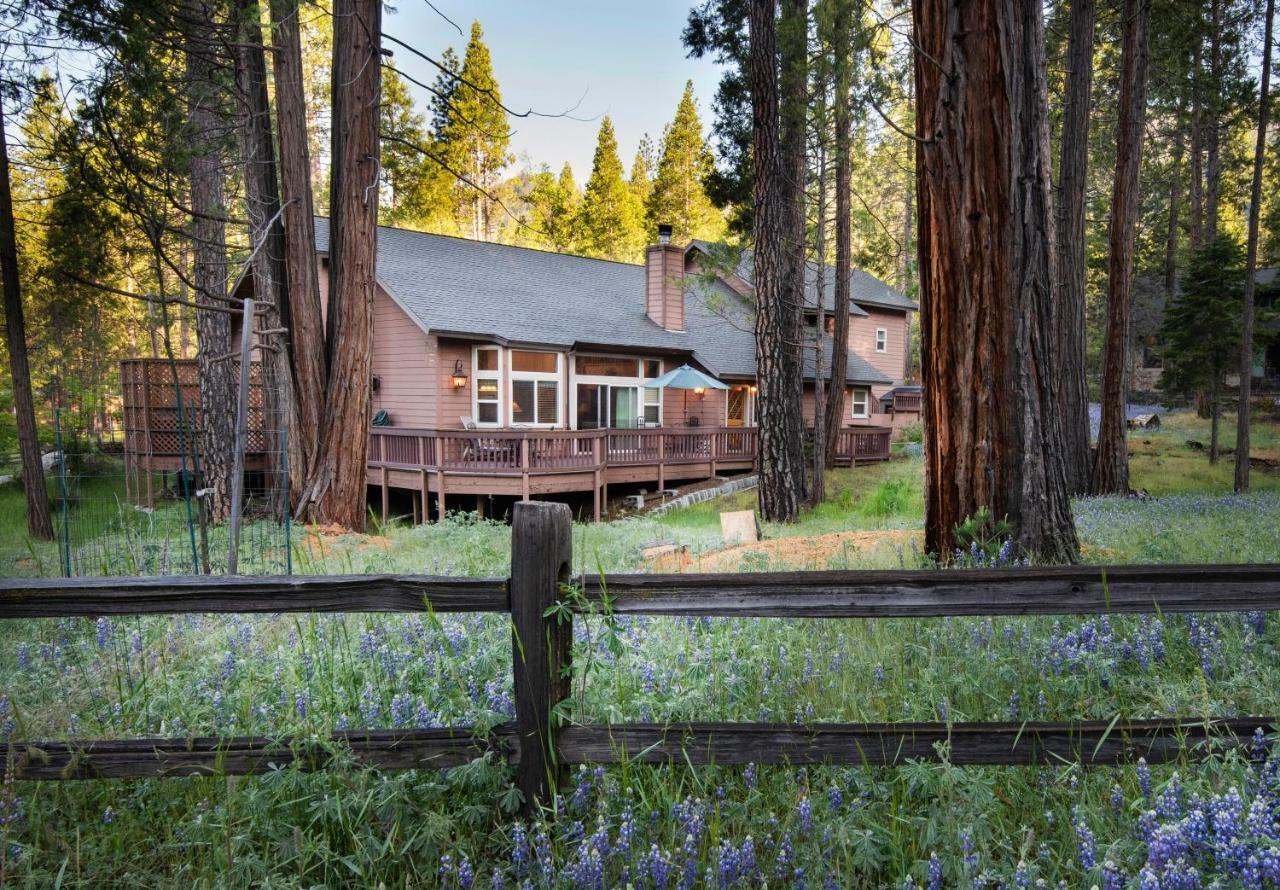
(934, 873)
(1086, 844)
(1144, 777)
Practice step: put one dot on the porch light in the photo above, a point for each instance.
(753, 388)
(459, 375)
(699, 391)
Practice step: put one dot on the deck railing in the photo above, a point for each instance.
(906, 402)
(516, 452)
(541, 597)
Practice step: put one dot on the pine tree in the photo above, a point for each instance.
(475, 139)
(1201, 330)
(553, 209)
(678, 195)
(417, 189)
(610, 219)
(641, 181)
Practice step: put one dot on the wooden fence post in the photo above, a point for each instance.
(541, 559)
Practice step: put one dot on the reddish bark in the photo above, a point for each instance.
(992, 424)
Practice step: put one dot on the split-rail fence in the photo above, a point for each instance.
(540, 749)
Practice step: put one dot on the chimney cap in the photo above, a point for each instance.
(664, 233)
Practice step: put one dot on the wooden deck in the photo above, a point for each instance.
(526, 463)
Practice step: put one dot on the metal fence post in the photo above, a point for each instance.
(541, 560)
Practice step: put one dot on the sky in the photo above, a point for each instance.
(623, 59)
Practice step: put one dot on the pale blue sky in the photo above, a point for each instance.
(626, 57)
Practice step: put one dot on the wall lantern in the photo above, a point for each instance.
(459, 375)
(699, 391)
(754, 388)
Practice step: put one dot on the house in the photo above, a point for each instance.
(503, 371)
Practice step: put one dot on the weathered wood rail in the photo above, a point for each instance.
(540, 750)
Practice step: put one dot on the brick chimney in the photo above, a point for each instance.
(664, 282)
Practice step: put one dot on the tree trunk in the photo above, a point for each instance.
(1213, 128)
(1195, 191)
(39, 523)
(993, 428)
(1215, 415)
(793, 90)
(779, 496)
(300, 313)
(1111, 464)
(1175, 211)
(209, 274)
(844, 230)
(262, 202)
(818, 488)
(1251, 263)
(1069, 308)
(336, 490)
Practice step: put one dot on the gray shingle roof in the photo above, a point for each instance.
(863, 288)
(525, 296)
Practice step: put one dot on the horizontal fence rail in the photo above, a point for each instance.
(1092, 742)
(1055, 590)
(201, 594)
(540, 748)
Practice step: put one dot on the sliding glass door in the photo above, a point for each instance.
(604, 405)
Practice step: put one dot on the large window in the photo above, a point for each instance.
(535, 388)
(652, 397)
(861, 402)
(487, 361)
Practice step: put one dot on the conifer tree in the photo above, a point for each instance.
(610, 221)
(417, 189)
(641, 181)
(678, 195)
(475, 139)
(553, 209)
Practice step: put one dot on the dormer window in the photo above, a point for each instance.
(882, 340)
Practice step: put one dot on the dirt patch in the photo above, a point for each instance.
(813, 552)
(327, 535)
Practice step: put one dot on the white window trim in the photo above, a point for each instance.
(866, 405)
(476, 376)
(882, 339)
(555, 376)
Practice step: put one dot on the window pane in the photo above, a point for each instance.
(548, 401)
(487, 390)
(651, 415)
(541, 362)
(652, 368)
(486, 359)
(606, 366)
(522, 401)
(653, 396)
(487, 412)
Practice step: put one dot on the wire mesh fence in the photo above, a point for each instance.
(146, 506)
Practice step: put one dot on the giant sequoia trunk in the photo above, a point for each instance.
(209, 264)
(793, 94)
(1111, 463)
(1251, 264)
(262, 201)
(844, 231)
(779, 457)
(1069, 307)
(39, 523)
(300, 312)
(335, 491)
(992, 424)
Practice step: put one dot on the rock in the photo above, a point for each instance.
(739, 527)
(1145, 421)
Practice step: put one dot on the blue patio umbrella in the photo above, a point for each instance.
(686, 378)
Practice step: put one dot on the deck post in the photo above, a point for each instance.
(524, 468)
(541, 561)
(440, 508)
(385, 511)
(662, 461)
